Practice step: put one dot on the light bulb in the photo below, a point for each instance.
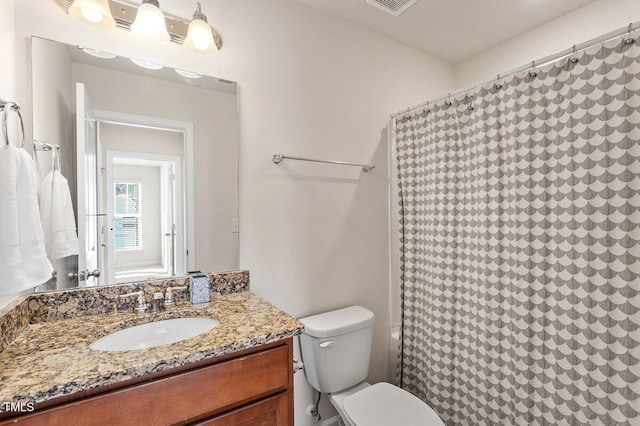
(150, 25)
(146, 64)
(97, 53)
(188, 74)
(201, 40)
(93, 12)
(91, 15)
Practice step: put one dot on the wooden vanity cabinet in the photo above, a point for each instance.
(254, 387)
(270, 411)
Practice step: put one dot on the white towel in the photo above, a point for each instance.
(58, 219)
(23, 260)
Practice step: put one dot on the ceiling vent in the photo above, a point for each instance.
(392, 7)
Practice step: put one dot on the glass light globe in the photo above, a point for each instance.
(146, 64)
(150, 25)
(200, 38)
(91, 15)
(93, 12)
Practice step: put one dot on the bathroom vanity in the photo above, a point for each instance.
(253, 386)
(240, 371)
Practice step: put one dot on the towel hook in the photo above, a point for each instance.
(6, 107)
(55, 157)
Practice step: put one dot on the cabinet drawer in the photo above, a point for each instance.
(177, 399)
(273, 411)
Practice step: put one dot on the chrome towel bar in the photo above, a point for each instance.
(277, 159)
(46, 146)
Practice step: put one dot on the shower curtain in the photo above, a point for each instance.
(520, 246)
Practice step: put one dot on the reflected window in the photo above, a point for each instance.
(127, 216)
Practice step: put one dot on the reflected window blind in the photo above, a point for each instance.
(127, 216)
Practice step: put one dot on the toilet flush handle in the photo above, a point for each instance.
(326, 344)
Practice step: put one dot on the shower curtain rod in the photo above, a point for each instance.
(537, 63)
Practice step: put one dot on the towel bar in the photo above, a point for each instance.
(277, 159)
(7, 107)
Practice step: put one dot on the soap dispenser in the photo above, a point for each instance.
(200, 288)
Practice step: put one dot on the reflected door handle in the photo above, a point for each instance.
(72, 276)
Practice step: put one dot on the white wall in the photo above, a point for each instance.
(53, 114)
(7, 69)
(7, 80)
(313, 236)
(116, 137)
(590, 21)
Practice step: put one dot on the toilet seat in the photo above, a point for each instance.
(383, 404)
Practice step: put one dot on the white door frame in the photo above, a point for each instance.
(83, 122)
(179, 219)
(188, 187)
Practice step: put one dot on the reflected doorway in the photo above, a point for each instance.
(141, 210)
(142, 190)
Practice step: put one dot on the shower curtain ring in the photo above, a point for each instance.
(574, 60)
(629, 40)
(533, 73)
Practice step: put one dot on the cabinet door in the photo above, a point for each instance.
(273, 411)
(178, 398)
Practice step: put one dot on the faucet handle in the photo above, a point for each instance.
(168, 298)
(142, 303)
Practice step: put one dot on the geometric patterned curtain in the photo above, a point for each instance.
(520, 246)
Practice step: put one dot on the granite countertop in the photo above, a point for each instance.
(53, 359)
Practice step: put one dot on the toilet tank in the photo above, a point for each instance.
(336, 348)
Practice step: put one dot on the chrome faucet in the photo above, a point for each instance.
(141, 305)
(157, 302)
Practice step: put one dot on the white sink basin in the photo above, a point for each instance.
(154, 334)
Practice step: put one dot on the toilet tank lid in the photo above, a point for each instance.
(335, 323)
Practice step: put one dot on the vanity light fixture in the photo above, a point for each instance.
(188, 74)
(146, 64)
(148, 22)
(93, 12)
(200, 35)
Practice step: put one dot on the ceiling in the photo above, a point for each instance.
(453, 30)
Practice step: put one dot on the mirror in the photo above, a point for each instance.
(150, 154)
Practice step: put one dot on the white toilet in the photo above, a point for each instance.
(336, 348)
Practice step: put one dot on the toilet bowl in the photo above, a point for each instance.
(383, 404)
(336, 348)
